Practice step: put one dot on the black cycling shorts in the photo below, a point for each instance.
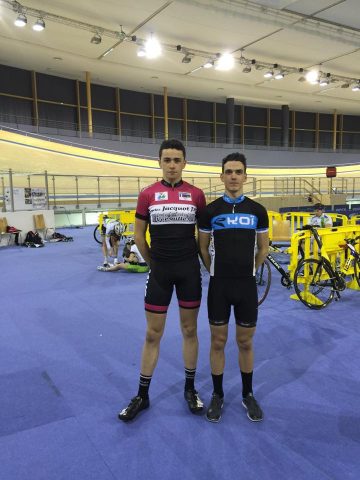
(238, 292)
(164, 276)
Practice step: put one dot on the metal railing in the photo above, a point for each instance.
(78, 191)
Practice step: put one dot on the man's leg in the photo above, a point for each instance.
(105, 252)
(244, 339)
(219, 335)
(149, 358)
(188, 323)
(151, 348)
(113, 268)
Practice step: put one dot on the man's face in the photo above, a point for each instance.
(172, 163)
(234, 177)
(318, 212)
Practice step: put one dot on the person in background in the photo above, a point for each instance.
(133, 261)
(111, 231)
(320, 219)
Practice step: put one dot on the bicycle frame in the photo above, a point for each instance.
(285, 277)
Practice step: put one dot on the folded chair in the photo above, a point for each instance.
(40, 226)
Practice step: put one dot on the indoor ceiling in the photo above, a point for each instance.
(292, 34)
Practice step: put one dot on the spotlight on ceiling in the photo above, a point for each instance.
(268, 74)
(247, 69)
(39, 25)
(187, 58)
(225, 62)
(96, 39)
(152, 47)
(21, 20)
(312, 76)
(209, 64)
(325, 80)
(279, 75)
(356, 86)
(141, 52)
(345, 85)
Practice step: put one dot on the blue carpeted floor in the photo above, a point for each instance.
(70, 347)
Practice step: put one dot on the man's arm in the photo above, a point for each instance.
(140, 239)
(204, 242)
(262, 240)
(328, 221)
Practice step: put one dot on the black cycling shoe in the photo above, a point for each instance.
(135, 406)
(194, 402)
(213, 413)
(254, 412)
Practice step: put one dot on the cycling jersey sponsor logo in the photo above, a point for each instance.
(185, 196)
(172, 213)
(234, 220)
(161, 196)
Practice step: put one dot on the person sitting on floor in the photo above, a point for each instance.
(133, 261)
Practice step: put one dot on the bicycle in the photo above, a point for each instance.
(316, 282)
(97, 234)
(263, 277)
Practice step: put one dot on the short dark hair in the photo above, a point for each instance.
(173, 143)
(319, 206)
(237, 157)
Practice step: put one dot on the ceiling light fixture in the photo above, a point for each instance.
(356, 86)
(141, 52)
(279, 75)
(152, 48)
(209, 64)
(312, 76)
(21, 20)
(225, 62)
(324, 80)
(268, 74)
(39, 25)
(247, 69)
(187, 58)
(96, 39)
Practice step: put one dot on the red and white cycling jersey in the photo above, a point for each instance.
(172, 213)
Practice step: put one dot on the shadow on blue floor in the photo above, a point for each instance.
(70, 347)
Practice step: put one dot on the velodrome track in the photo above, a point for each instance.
(27, 154)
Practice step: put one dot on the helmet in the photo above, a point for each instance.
(119, 229)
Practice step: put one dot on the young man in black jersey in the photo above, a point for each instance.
(170, 208)
(239, 227)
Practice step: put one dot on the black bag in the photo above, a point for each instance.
(59, 237)
(33, 240)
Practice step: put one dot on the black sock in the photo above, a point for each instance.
(190, 378)
(144, 386)
(218, 384)
(246, 383)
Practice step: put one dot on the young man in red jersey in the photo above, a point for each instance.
(170, 208)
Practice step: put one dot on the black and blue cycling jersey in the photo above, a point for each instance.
(234, 224)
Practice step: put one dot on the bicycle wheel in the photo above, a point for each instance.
(263, 281)
(314, 283)
(357, 270)
(97, 234)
